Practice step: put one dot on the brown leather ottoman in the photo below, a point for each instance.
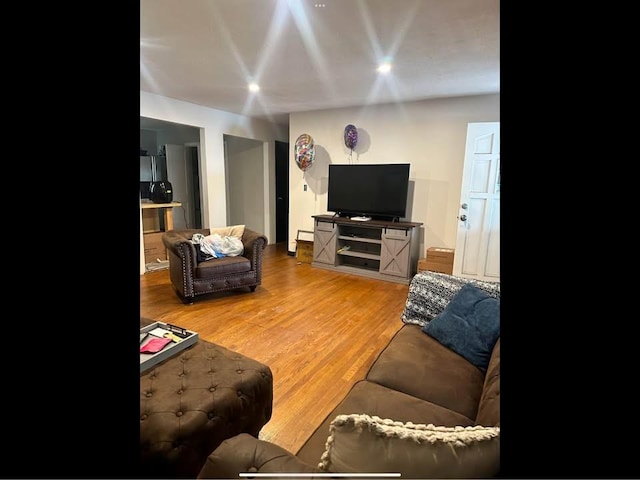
(193, 401)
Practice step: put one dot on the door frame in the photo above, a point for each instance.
(196, 193)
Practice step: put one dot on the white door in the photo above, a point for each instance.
(177, 176)
(477, 252)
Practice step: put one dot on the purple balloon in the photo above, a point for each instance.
(350, 136)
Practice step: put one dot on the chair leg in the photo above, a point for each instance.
(253, 288)
(188, 300)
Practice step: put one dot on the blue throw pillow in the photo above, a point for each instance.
(469, 325)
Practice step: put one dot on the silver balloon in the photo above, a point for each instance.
(305, 151)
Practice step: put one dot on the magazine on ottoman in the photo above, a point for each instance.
(159, 341)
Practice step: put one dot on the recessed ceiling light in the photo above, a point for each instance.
(319, 5)
(384, 68)
(254, 87)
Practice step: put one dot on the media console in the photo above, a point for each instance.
(375, 248)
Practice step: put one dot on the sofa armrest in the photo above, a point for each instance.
(244, 453)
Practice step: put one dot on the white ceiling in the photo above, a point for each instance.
(310, 58)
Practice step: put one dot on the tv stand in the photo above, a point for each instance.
(382, 249)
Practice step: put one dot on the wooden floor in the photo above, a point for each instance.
(319, 332)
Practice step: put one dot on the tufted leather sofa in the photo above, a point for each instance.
(191, 402)
(414, 379)
(191, 277)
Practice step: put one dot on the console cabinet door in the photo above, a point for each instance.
(395, 252)
(324, 243)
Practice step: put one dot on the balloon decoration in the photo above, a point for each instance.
(350, 138)
(305, 151)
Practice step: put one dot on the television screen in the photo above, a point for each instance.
(376, 190)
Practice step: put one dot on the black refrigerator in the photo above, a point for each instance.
(153, 168)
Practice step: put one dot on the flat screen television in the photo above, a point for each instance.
(369, 190)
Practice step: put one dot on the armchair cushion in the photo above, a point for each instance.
(367, 444)
(222, 266)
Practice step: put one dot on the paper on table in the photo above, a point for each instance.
(159, 332)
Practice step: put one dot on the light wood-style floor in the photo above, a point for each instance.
(319, 332)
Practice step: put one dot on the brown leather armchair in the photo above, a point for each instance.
(191, 277)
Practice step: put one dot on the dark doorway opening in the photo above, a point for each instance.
(193, 170)
(282, 191)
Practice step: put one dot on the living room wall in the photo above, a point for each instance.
(245, 169)
(429, 134)
(214, 124)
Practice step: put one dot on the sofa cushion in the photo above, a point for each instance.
(419, 365)
(373, 399)
(469, 325)
(369, 444)
(430, 292)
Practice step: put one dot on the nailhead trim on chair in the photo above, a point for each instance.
(185, 253)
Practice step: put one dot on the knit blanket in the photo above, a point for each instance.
(430, 292)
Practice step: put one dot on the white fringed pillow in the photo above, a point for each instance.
(370, 444)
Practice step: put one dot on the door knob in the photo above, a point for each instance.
(463, 218)
(464, 206)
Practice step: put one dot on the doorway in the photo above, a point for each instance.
(282, 192)
(192, 156)
(245, 182)
(478, 238)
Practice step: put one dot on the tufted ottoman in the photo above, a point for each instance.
(193, 401)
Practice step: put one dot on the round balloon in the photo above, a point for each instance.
(305, 151)
(350, 136)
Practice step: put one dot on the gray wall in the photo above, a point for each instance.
(245, 192)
